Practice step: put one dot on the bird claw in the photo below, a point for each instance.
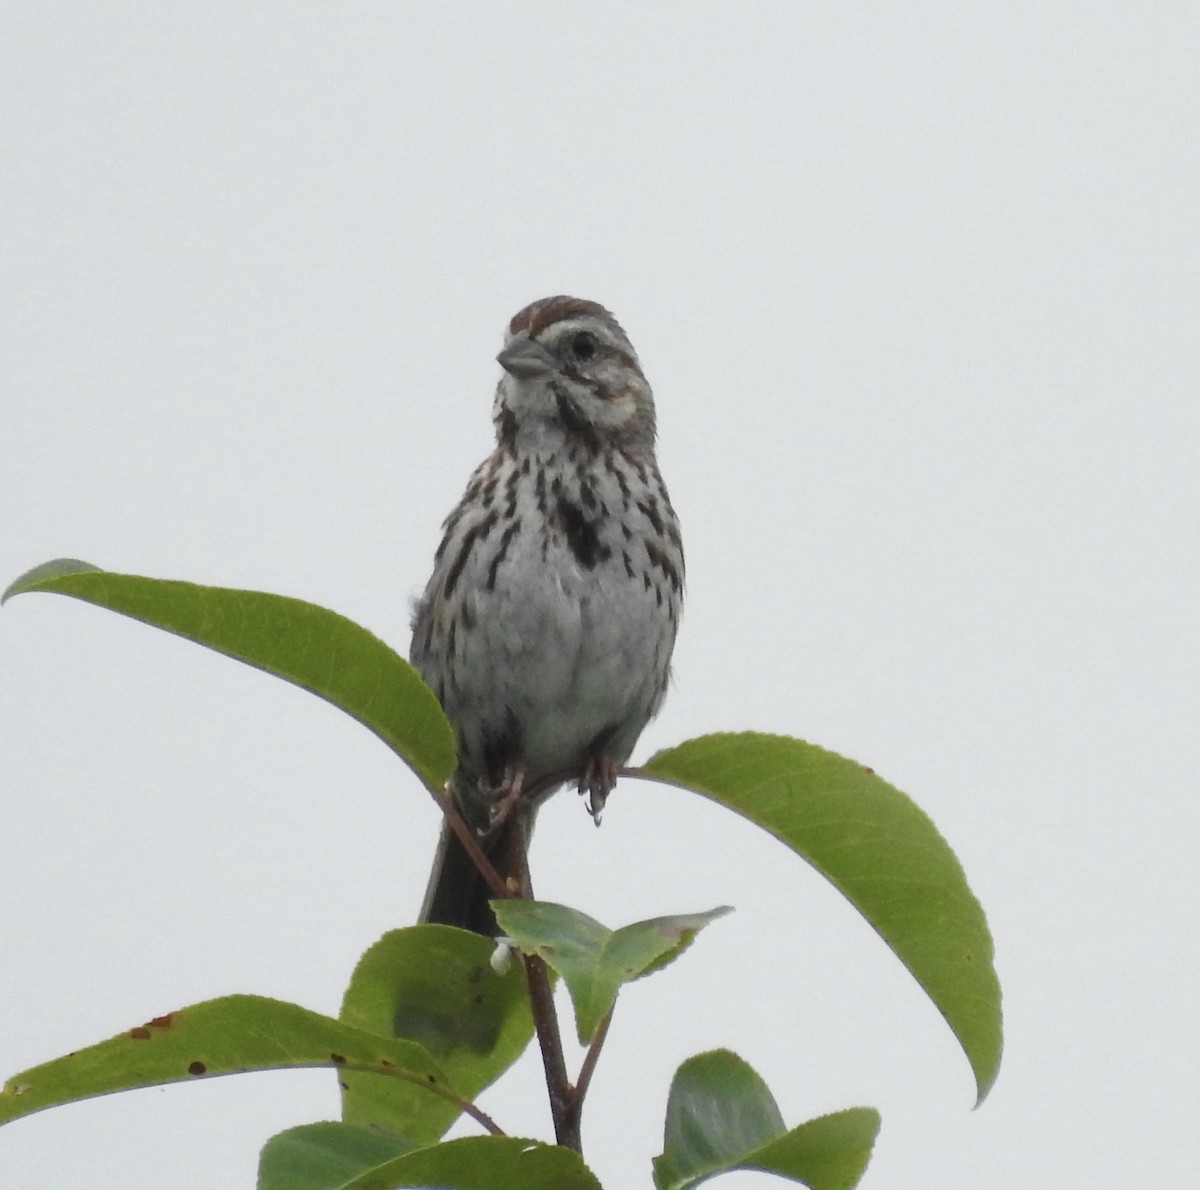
(506, 796)
(597, 781)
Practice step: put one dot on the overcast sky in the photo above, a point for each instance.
(916, 286)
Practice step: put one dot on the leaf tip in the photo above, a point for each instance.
(985, 1082)
(31, 580)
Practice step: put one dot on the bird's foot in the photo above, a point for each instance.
(506, 796)
(597, 781)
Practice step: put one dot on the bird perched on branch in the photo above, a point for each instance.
(547, 626)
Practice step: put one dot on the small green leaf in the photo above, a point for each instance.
(473, 1163)
(433, 985)
(722, 1116)
(878, 849)
(309, 646)
(593, 960)
(325, 1156)
(226, 1036)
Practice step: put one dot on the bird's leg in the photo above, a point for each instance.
(597, 781)
(506, 796)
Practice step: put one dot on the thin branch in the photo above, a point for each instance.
(541, 1000)
(589, 1065)
(558, 1085)
(467, 837)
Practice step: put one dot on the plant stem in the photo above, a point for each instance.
(558, 1085)
(466, 836)
(589, 1065)
(541, 999)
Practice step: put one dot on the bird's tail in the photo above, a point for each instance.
(458, 894)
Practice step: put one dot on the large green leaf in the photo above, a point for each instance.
(229, 1035)
(594, 960)
(879, 849)
(325, 1156)
(722, 1116)
(314, 648)
(433, 985)
(320, 1158)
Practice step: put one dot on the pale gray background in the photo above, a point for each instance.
(916, 286)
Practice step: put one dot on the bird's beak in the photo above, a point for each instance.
(525, 358)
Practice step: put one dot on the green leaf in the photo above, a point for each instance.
(433, 985)
(722, 1116)
(226, 1036)
(339, 1157)
(475, 1163)
(593, 960)
(318, 650)
(323, 1156)
(878, 849)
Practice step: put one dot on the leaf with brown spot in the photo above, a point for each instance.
(232, 1035)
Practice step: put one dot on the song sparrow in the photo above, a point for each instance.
(547, 626)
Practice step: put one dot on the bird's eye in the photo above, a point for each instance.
(583, 345)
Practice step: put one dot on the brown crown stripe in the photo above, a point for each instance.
(537, 316)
